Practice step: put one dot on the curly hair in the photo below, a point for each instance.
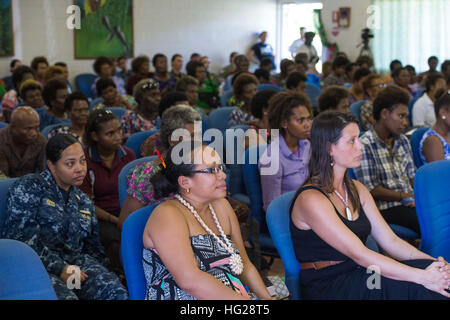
(330, 98)
(241, 81)
(99, 62)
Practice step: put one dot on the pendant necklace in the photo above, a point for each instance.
(235, 259)
(347, 209)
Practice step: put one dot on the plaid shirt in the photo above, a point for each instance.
(378, 168)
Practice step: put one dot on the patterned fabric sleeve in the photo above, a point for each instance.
(139, 185)
(366, 113)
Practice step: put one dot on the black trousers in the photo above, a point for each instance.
(402, 216)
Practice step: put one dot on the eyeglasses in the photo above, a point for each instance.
(215, 170)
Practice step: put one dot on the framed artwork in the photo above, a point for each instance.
(6, 29)
(344, 17)
(106, 29)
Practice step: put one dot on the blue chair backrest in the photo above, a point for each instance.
(135, 141)
(432, 196)
(313, 93)
(226, 95)
(218, 118)
(118, 111)
(4, 188)
(252, 181)
(235, 181)
(269, 86)
(22, 274)
(95, 102)
(3, 124)
(131, 251)
(355, 109)
(84, 83)
(124, 173)
(278, 218)
(415, 145)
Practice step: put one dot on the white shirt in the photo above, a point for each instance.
(423, 112)
(309, 50)
(295, 46)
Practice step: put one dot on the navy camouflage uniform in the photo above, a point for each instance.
(62, 234)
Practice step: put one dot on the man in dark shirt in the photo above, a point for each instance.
(261, 50)
(22, 147)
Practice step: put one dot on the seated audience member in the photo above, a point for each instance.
(189, 86)
(122, 71)
(103, 67)
(433, 62)
(13, 65)
(177, 64)
(66, 75)
(401, 78)
(172, 99)
(331, 218)
(296, 82)
(195, 57)
(40, 207)
(266, 64)
(209, 75)
(105, 158)
(162, 76)
(179, 231)
(22, 147)
(262, 75)
(107, 90)
(145, 116)
(140, 66)
(334, 98)
(414, 85)
(40, 65)
(242, 65)
(54, 72)
(350, 70)
(364, 62)
(387, 167)
(54, 94)
(372, 85)
(208, 91)
(445, 69)
(140, 192)
(423, 110)
(228, 69)
(394, 65)
(356, 91)
(326, 70)
(435, 144)
(287, 67)
(12, 98)
(259, 131)
(301, 62)
(244, 89)
(31, 93)
(337, 76)
(77, 109)
(288, 112)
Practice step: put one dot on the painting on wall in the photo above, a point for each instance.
(6, 29)
(106, 29)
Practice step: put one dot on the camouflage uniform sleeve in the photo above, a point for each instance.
(21, 223)
(92, 244)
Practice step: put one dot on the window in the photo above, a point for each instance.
(411, 31)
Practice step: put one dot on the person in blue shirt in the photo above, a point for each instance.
(52, 215)
(261, 50)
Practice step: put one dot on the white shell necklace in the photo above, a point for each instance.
(347, 209)
(235, 259)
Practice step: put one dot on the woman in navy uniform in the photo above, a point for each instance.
(48, 212)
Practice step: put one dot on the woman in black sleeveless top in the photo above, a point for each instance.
(331, 218)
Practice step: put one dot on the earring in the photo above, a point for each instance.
(332, 162)
(188, 191)
(444, 117)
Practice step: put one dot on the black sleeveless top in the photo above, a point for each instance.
(309, 247)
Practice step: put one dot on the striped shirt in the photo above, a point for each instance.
(379, 168)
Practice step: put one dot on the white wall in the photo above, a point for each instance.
(210, 27)
(348, 38)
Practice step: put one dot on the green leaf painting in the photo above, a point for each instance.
(6, 32)
(106, 29)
